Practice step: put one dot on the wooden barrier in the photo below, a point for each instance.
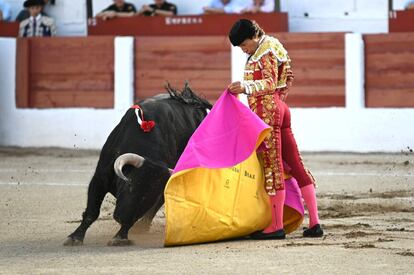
(318, 64)
(192, 25)
(65, 72)
(389, 70)
(9, 29)
(203, 61)
(79, 72)
(401, 21)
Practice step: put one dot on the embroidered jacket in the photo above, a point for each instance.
(268, 69)
(267, 72)
(38, 26)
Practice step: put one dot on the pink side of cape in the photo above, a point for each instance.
(226, 137)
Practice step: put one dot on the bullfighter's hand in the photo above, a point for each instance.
(236, 88)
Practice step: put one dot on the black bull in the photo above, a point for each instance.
(146, 156)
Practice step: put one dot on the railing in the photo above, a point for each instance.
(401, 21)
(183, 25)
(9, 29)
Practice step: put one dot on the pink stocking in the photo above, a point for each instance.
(276, 202)
(308, 194)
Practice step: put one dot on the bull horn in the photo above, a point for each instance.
(128, 158)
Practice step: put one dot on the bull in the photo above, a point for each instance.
(134, 165)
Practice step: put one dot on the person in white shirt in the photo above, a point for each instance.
(224, 6)
(5, 12)
(37, 24)
(409, 5)
(256, 6)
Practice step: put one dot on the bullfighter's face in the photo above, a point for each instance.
(250, 45)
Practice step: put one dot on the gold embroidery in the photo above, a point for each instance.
(273, 45)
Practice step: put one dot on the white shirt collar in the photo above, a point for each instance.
(263, 38)
(37, 17)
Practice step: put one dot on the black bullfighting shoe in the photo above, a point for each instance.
(313, 232)
(277, 235)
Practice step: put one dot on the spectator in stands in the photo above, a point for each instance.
(260, 6)
(161, 7)
(24, 14)
(5, 12)
(37, 24)
(409, 5)
(120, 8)
(224, 6)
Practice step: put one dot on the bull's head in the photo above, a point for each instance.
(134, 160)
(141, 188)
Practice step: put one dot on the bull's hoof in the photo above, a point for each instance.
(119, 242)
(70, 241)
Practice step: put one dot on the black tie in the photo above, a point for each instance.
(34, 26)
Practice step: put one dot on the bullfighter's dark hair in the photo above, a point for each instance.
(244, 29)
(187, 96)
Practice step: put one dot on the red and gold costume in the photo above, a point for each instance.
(266, 76)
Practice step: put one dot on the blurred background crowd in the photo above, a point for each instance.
(66, 17)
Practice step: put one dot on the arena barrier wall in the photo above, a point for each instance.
(351, 126)
(85, 128)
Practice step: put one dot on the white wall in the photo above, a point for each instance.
(70, 17)
(400, 4)
(365, 16)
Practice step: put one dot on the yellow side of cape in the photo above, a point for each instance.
(204, 204)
